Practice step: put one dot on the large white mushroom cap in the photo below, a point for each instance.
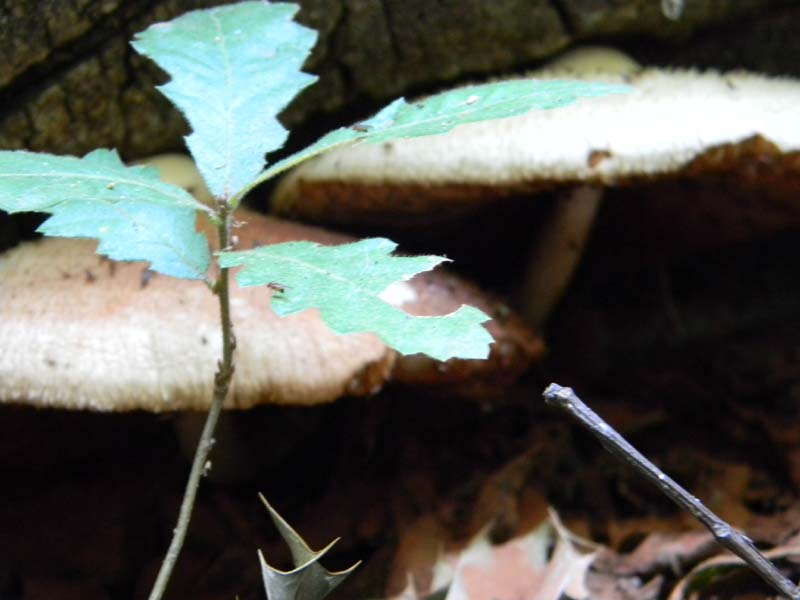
(79, 331)
(179, 169)
(671, 122)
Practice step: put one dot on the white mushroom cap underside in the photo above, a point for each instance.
(78, 331)
(667, 119)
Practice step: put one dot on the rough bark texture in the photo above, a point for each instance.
(70, 82)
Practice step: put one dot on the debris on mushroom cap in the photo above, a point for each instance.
(79, 331)
(180, 170)
(672, 122)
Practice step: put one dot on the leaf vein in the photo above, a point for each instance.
(228, 105)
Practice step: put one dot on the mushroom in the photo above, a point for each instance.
(674, 123)
(557, 253)
(423, 180)
(79, 331)
(180, 170)
(588, 62)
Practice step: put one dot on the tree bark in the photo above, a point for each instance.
(69, 81)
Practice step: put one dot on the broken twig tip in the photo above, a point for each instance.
(558, 395)
(566, 399)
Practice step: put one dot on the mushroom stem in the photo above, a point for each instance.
(222, 384)
(557, 253)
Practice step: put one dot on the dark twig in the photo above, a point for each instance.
(222, 384)
(565, 399)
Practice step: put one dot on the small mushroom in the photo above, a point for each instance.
(180, 170)
(588, 62)
(736, 126)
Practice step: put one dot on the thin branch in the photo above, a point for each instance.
(222, 381)
(565, 399)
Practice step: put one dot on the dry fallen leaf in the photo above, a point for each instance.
(702, 580)
(522, 568)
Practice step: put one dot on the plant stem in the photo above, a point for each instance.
(565, 399)
(222, 381)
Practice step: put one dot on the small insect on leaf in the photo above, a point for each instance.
(145, 277)
(277, 287)
(360, 127)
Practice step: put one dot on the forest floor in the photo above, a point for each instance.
(696, 361)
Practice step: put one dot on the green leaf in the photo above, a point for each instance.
(130, 210)
(440, 113)
(337, 137)
(345, 282)
(233, 68)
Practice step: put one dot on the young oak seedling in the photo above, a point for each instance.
(233, 69)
